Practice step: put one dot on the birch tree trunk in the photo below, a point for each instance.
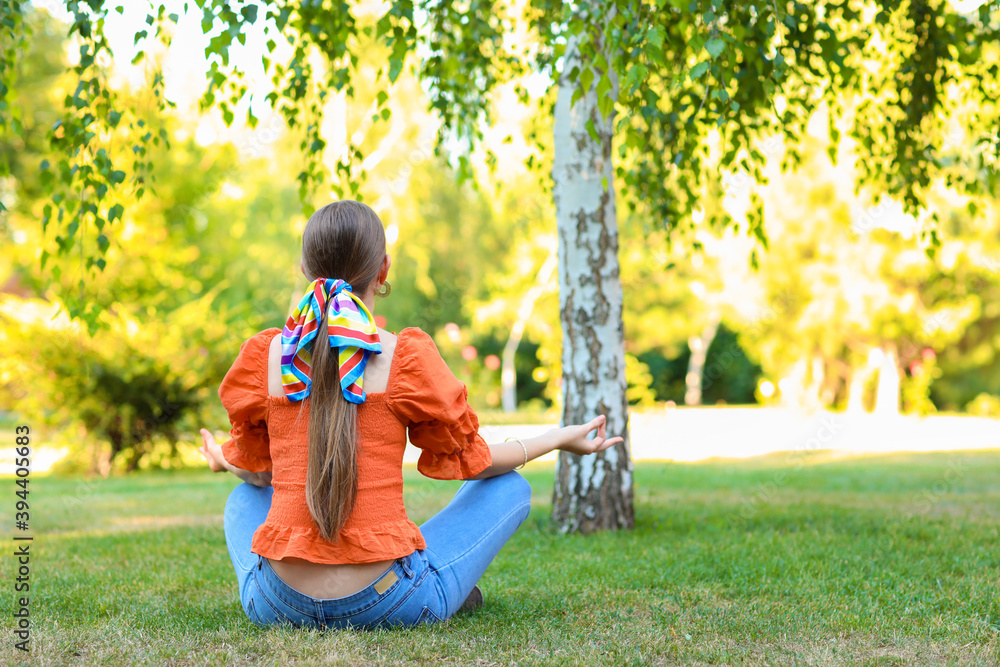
(508, 374)
(856, 390)
(592, 492)
(694, 380)
(887, 393)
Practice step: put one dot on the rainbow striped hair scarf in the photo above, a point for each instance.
(351, 329)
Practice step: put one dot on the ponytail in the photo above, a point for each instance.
(343, 241)
(332, 478)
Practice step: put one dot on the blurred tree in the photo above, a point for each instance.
(519, 295)
(192, 272)
(849, 291)
(970, 268)
(674, 295)
(445, 241)
(26, 109)
(730, 376)
(132, 390)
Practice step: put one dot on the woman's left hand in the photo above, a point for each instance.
(573, 438)
(212, 452)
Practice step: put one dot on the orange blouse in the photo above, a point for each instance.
(422, 398)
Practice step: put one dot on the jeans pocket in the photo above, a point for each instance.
(268, 610)
(408, 606)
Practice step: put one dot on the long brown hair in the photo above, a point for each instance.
(342, 240)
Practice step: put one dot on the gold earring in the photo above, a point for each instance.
(386, 289)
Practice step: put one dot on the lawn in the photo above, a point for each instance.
(791, 559)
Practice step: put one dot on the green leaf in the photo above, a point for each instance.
(86, 57)
(249, 13)
(655, 37)
(603, 89)
(115, 213)
(715, 47)
(698, 70)
(395, 67)
(592, 129)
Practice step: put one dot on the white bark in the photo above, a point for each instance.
(793, 385)
(699, 345)
(592, 492)
(812, 393)
(887, 392)
(508, 375)
(856, 390)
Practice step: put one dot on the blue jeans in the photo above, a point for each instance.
(431, 583)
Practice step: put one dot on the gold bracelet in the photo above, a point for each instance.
(513, 437)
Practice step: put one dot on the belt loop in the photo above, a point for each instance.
(404, 563)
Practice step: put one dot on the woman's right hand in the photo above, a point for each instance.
(573, 439)
(212, 451)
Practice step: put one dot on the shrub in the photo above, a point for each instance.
(984, 405)
(133, 388)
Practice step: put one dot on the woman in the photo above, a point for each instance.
(320, 414)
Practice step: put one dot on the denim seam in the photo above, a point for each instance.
(239, 562)
(252, 613)
(485, 535)
(277, 612)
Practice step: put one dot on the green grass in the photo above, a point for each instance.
(791, 559)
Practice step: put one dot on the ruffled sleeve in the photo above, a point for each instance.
(433, 403)
(244, 395)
